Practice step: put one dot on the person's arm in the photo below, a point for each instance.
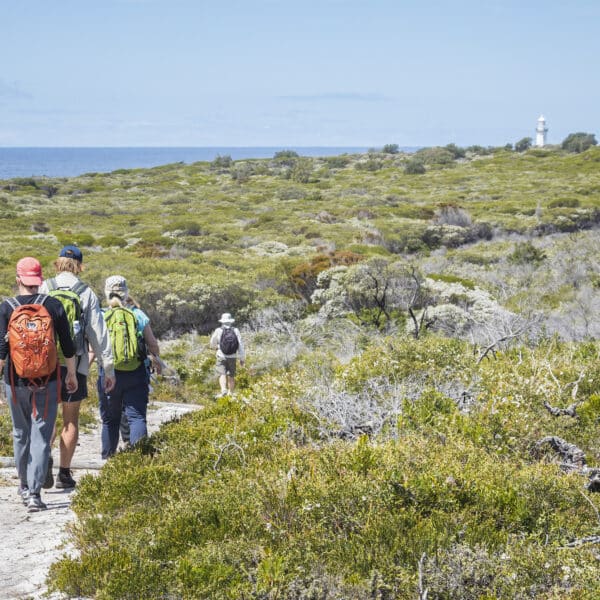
(241, 350)
(214, 339)
(4, 316)
(63, 332)
(151, 341)
(97, 335)
(71, 378)
(5, 311)
(153, 348)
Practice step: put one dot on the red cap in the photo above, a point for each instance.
(29, 271)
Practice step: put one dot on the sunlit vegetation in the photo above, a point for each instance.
(419, 413)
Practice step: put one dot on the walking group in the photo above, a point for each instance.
(50, 334)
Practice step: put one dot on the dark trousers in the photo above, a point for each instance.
(130, 395)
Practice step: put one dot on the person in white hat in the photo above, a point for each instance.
(227, 341)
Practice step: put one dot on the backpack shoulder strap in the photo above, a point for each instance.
(79, 288)
(13, 302)
(40, 299)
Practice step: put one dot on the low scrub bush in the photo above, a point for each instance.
(253, 498)
(108, 241)
(75, 238)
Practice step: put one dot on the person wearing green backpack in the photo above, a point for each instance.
(88, 331)
(134, 346)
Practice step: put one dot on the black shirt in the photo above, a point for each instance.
(62, 328)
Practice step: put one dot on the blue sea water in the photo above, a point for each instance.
(70, 162)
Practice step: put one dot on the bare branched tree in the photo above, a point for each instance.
(384, 286)
(504, 329)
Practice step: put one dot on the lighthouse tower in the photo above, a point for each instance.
(540, 132)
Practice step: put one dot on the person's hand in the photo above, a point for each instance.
(109, 383)
(157, 364)
(71, 382)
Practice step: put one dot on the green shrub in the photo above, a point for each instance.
(564, 203)
(467, 283)
(414, 166)
(578, 142)
(6, 438)
(526, 252)
(75, 238)
(106, 241)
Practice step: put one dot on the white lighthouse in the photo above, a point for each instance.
(540, 132)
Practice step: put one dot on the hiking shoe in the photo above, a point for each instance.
(35, 504)
(64, 480)
(23, 492)
(49, 481)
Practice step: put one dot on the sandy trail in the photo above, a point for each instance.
(31, 542)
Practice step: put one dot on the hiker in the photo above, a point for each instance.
(228, 343)
(91, 329)
(30, 323)
(134, 349)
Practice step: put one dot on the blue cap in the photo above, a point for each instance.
(71, 252)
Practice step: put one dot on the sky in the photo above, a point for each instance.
(360, 73)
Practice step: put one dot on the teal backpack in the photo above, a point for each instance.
(69, 297)
(127, 343)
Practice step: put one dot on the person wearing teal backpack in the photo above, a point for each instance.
(134, 346)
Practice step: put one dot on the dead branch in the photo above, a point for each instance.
(570, 411)
(571, 454)
(592, 505)
(590, 539)
(505, 338)
(508, 328)
(593, 484)
(229, 446)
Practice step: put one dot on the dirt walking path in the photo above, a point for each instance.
(31, 542)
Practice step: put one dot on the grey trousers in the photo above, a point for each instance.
(32, 434)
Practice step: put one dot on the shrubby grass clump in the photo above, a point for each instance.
(252, 498)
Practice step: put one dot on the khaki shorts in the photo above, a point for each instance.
(226, 366)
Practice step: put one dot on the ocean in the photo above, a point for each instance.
(70, 162)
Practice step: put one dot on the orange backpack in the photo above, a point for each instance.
(32, 342)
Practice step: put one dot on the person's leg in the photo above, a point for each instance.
(230, 365)
(69, 436)
(222, 373)
(70, 433)
(124, 428)
(71, 404)
(20, 412)
(230, 383)
(42, 425)
(135, 400)
(110, 413)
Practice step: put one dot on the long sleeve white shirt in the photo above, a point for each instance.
(95, 328)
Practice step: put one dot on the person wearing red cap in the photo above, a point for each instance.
(33, 408)
(68, 267)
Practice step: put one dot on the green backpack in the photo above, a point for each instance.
(126, 341)
(69, 297)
